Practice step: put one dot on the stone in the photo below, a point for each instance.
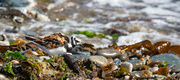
(128, 65)
(101, 60)
(136, 64)
(108, 53)
(170, 58)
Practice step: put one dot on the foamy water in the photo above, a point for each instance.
(164, 23)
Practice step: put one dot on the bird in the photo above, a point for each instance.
(56, 43)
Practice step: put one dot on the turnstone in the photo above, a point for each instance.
(55, 43)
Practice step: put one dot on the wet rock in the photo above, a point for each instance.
(108, 53)
(176, 67)
(74, 51)
(99, 60)
(123, 57)
(128, 65)
(80, 57)
(112, 53)
(170, 58)
(117, 61)
(137, 64)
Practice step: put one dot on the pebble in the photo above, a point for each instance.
(5, 42)
(155, 62)
(117, 61)
(15, 62)
(74, 51)
(136, 64)
(146, 73)
(123, 57)
(93, 74)
(108, 53)
(112, 53)
(136, 73)
(154, 69)
(44, 57)
(101, 60)
(128, 65)
(3, 77)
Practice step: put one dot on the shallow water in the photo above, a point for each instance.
(137, 20)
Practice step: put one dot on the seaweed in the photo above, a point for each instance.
(8, 68)
(16, 55)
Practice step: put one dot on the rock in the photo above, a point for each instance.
(136, 73)
(44, 57)
(101, 60)
(108, 53)
(15, 62)
(3, 77)
(136, 64)
(4, 41)
(31, 56)
(80, 57)
(155, 62)
(93, 74)
(146, 73)
(170, 58)
(112, 53)
(74, 51)
(128, 65)
(117, 61)
(176, 67)
(123, 57)
(154, 69)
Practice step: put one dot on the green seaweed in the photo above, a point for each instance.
(16, 55)
(87, 20)
(122, 71)
(115, 36)
(8, 68)
(30, 59)
(165, 63)
(11, 42)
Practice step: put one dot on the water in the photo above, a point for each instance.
(155, 20)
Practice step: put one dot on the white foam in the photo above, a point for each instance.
(57, 3)
(119, 3)
(159, 11)
(140, 36)
(156, 1)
